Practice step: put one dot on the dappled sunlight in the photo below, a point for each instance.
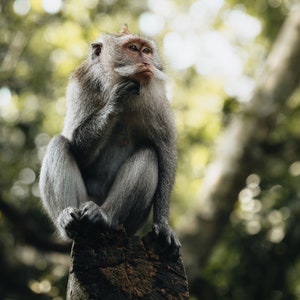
(240, 26)
(192, 41)
(163, 8)
(9, 110)
(5, 97)
(151, 24)
(295, 168)
(21, 7)
(52, 6)
(257, 215)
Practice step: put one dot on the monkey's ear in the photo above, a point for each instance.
(96, 49)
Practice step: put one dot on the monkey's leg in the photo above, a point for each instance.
(130, 197)
(62, 187)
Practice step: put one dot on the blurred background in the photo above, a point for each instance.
(241, 234)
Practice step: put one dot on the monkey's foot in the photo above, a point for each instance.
(69, 222)
(166, 234)
(93, 215)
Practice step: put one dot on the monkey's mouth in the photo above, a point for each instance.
(145, 72)
(143, 75)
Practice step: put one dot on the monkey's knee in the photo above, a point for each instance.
(145, 170)
(58, 144)
(147, 164)
(61, 184)
(150, 156)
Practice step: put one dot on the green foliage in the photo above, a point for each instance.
(257, 258)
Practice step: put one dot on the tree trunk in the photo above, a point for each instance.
(114, 266)
(241, 148)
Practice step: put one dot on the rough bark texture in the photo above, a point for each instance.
(115, 266)
(241, 149)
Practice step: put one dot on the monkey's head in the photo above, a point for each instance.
(128, 55)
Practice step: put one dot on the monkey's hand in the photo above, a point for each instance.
(93, 215)
(69, 220)
(164, 232)
(124, 89)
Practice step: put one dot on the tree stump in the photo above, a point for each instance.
(112, 265)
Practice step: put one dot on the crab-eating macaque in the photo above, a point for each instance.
(116, 156)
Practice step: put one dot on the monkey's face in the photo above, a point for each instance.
(129, 56)
(139, 54)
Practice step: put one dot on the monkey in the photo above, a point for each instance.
(116, 156)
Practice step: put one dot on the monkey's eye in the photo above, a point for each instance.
(133, 47)
(146, 50)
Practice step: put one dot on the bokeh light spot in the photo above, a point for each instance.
(52, 6)
(21, 7)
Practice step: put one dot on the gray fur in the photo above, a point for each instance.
(116, 156)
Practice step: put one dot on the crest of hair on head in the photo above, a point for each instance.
(124, 30)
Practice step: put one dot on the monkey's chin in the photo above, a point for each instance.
(143, 77)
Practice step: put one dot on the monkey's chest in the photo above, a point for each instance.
(119, 147)
(122, 136)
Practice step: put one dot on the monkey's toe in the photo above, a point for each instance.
(93, 216)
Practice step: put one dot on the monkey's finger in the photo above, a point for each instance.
(135, 87)
(176, 241)
(127, 88)
(176, 246)
(72, 233)
(87, 208)
(72, 228)
(90, 214)
(75, 215)
(86, 214)
(175, 252)
(169, 239)
(155, 230)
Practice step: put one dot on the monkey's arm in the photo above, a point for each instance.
(167, 159)
(91, 135)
